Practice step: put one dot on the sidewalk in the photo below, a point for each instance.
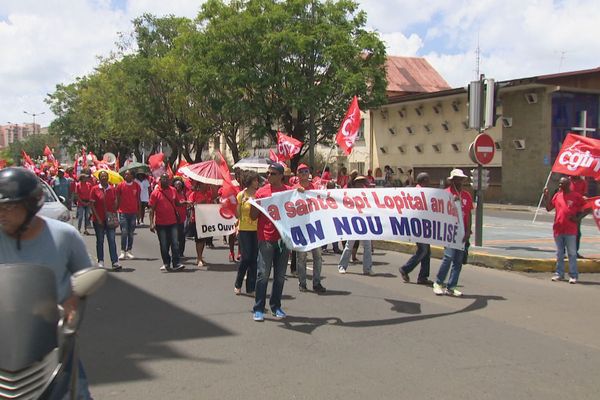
(519, 245)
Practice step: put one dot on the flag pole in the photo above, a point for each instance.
(541, 198)
(327, 160)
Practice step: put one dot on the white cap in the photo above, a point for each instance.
(457, 173)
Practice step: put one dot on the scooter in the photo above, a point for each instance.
(38, 343)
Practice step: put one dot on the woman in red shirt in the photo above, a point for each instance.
(103, 199)
(181, 212)
(201, 194)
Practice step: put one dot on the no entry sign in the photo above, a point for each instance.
(482, 149)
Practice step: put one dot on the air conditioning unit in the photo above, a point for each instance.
(531, 98)
(519, 144)
(498, 145)
(506, 122)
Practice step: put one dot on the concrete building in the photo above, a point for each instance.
(16, 132)
(429, 131)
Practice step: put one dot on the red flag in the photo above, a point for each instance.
(2, 163)
(579, 156)
(27, 162)
(348, 131)
(274, 157)
(155, 160)
(594, 204)
(287, 146)
(170, 171)
(182, 163)
(228, 191)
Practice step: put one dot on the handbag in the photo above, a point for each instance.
(112, 220)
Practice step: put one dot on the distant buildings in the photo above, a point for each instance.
(16, 132)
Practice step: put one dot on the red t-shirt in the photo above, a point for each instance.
(200, 197)
(265, 228)
(181, 210)
(310, 186)
(163, 203)
(467, 205)
(129, 194)
(83, 191)
(567, 205)
(104, 200)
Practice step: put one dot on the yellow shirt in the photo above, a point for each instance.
(245, 222)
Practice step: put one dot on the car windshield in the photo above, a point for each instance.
(48, 194)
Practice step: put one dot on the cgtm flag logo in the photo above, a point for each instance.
(348, 131)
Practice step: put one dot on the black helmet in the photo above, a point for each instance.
(19, 184)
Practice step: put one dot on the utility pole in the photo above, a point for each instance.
(34, 115)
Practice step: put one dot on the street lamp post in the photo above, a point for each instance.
(34, 115)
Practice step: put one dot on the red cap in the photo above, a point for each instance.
(302, 166)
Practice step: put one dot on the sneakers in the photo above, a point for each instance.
(116, 267)
(179, 267)
(341, 270)
(572, 281)
(425, 282)
(259, 316)
(164, 268)
(318, 288)
(200, 263)
(404, 275)
(279, 314)
(453, 292)
(237, 291)
(556, 278)
(101, 264)
(302, 287)
(122, 255)
(369, 272)
(438, 289)
(129, 255)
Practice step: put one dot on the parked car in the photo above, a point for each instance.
(53, 205)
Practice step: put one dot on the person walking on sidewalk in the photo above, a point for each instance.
(272, 252)
(103, 199)
(455, 256)
(303, 173)
(128, 203)
(163, 220)
(247, 236)
(569, 211)
(423, 254)
(83, 189)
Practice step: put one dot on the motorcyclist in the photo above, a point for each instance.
(27, 238)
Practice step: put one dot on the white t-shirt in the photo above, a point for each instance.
(145, 185)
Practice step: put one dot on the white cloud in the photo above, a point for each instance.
(53, 41)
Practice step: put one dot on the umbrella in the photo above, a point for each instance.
(113, 177)
(258, 164)
(205, 171)
(136, 167)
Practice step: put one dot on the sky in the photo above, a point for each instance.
(48, 42)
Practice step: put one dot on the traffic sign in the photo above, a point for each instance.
(482, 150)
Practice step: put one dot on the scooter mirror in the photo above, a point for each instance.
(87, 281)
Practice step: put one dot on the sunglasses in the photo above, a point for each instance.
(304, 171)
(272, 173)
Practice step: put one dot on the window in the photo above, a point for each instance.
(437, 108)
(410, 130)
(531, 98)
(402, 112)
(427, 128)
(419, 148)
(506, 122)
(402, 149)
(384, 114)
(456, 105)
(437, 147)
(456, 147)
(419, 110)
(392, 131)
(519, 144)
(498, 145)
(465, 124)
(383, 149)
(446, 126)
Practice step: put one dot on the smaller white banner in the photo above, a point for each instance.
(211, 221)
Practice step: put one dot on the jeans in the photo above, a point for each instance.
(317, 263)
(168, 240)
(181, 238)
(367, 261)
(127, 222)
(101, 231)
(570, 242)
(273, 254)
(83, 214)
(423, 256)
(249, 248)
(454, 257)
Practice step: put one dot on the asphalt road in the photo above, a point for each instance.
(150, 335)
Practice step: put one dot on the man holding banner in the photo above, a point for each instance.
(569, 206)
(272, 252)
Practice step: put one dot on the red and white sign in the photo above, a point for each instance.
(287, 146)
(483, 149)
(580, 156)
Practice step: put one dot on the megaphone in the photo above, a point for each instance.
(109, 158)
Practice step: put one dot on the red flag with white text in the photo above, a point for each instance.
(228, 190)
(594, 204)
(579, 155)
(27, 162)
(287, 146)
(348, 131)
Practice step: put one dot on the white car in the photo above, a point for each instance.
(53, 206)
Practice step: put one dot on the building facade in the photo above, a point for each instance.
(17, 132)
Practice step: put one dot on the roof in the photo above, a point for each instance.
(411, 75)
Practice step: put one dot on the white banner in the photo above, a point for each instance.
(316, 217)
(210, 221)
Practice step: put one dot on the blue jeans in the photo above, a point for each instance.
(301, 265)
(249, 249)
(367, 256)
(273, 254)
(423, 256)
(101, 231)
(127, 223)
(454, 257)
(83, 214)
(570, 242)
(168, 240)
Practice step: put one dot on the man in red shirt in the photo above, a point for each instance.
(82, 197)
(128, 203)
(272, 252)
(103, 200)
(579, 185)
(303, 173)
(569, 211)
(163, 220)
(455, 256)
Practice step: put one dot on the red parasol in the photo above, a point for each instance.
(206, 171)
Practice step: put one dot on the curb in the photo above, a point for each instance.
(492, 260)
